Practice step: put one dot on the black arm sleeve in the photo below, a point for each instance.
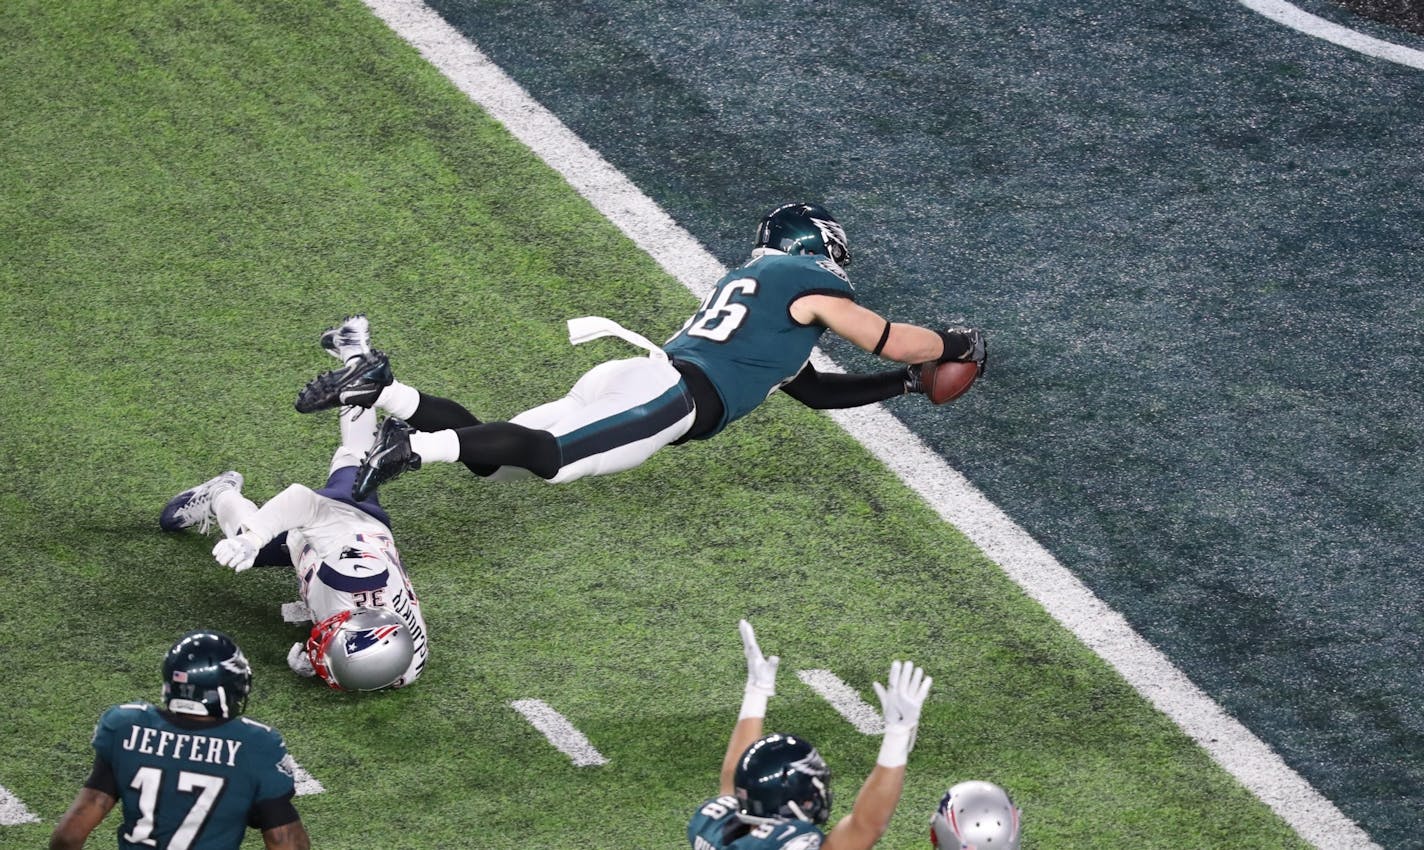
(266, 814)
(824, 391)
(101, 779)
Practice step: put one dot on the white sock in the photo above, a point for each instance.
(232, 510)
(358, 430)
(437, 445)
(399, 400)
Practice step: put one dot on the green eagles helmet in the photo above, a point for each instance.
(780, 777)
(207, 675)
(804, 229)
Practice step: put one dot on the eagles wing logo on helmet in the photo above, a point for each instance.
(834, 236)
(237, 664)
(811, 765)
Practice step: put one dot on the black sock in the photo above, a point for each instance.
(485, 448)
(437, 414)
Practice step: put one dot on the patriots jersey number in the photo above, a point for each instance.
(719, 316)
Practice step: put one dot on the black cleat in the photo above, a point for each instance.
(389, 457)
(357, 384)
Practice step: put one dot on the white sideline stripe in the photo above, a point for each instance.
(845, 700)
(560, 732)
(1302, 21)
(12, 811)
(306, 783)
(1254, 765)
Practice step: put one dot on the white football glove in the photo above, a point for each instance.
(761, 674)
(901, 702)
(299, 661)
(238, 552)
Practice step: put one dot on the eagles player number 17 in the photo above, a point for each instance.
(149, 780)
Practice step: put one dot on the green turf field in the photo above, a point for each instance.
(189, 194)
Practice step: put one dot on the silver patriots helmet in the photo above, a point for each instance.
(975, 815)
(365, 649)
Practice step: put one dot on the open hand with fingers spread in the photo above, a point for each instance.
(900, 702)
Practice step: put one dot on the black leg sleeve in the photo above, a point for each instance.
(485, 448)
(437, 414)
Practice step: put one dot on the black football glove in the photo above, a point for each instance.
(913, 382)
(965, 345)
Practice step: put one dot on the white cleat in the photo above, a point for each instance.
(195, 506)
(351, 338)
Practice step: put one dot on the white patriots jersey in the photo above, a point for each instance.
(319, 530)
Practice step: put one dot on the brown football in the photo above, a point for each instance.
(947, 381)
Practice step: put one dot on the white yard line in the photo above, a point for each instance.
(845, 700)
(1233, 746)
(1316, 27)
(12, 811)
(560, 732)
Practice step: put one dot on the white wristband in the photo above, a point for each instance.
(753, 704)
(895, 746)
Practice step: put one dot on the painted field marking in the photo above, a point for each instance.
(560, 732)
(1233, 746)
(296, 612)
(845, 700)
(12, 811)
(1284, 13)
(306, 783)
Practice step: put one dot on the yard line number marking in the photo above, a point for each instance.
(12, 811)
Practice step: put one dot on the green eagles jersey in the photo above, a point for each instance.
(717, 827)
(743, 337)
(186, 785)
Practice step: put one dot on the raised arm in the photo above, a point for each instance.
(760, 688)
(875, 804)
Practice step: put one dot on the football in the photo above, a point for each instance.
(947, 381)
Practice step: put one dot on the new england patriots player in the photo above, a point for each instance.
(975, 815)
(775, 791)
(751, 336)
(194, 773)
(369, 631)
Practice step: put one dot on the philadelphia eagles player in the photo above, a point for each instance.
(775, 792)
(751, 336)
(369, 631)
(193, 773)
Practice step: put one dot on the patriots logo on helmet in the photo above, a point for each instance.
(367, 638)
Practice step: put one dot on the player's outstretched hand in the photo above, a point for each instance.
(235, 552)
(966, 345)
(299, 661)
(900, 702)
(761, 671)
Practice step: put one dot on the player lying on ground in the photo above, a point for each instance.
(751, 336)
(775, 792)
(369, 631)
(194, 773)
